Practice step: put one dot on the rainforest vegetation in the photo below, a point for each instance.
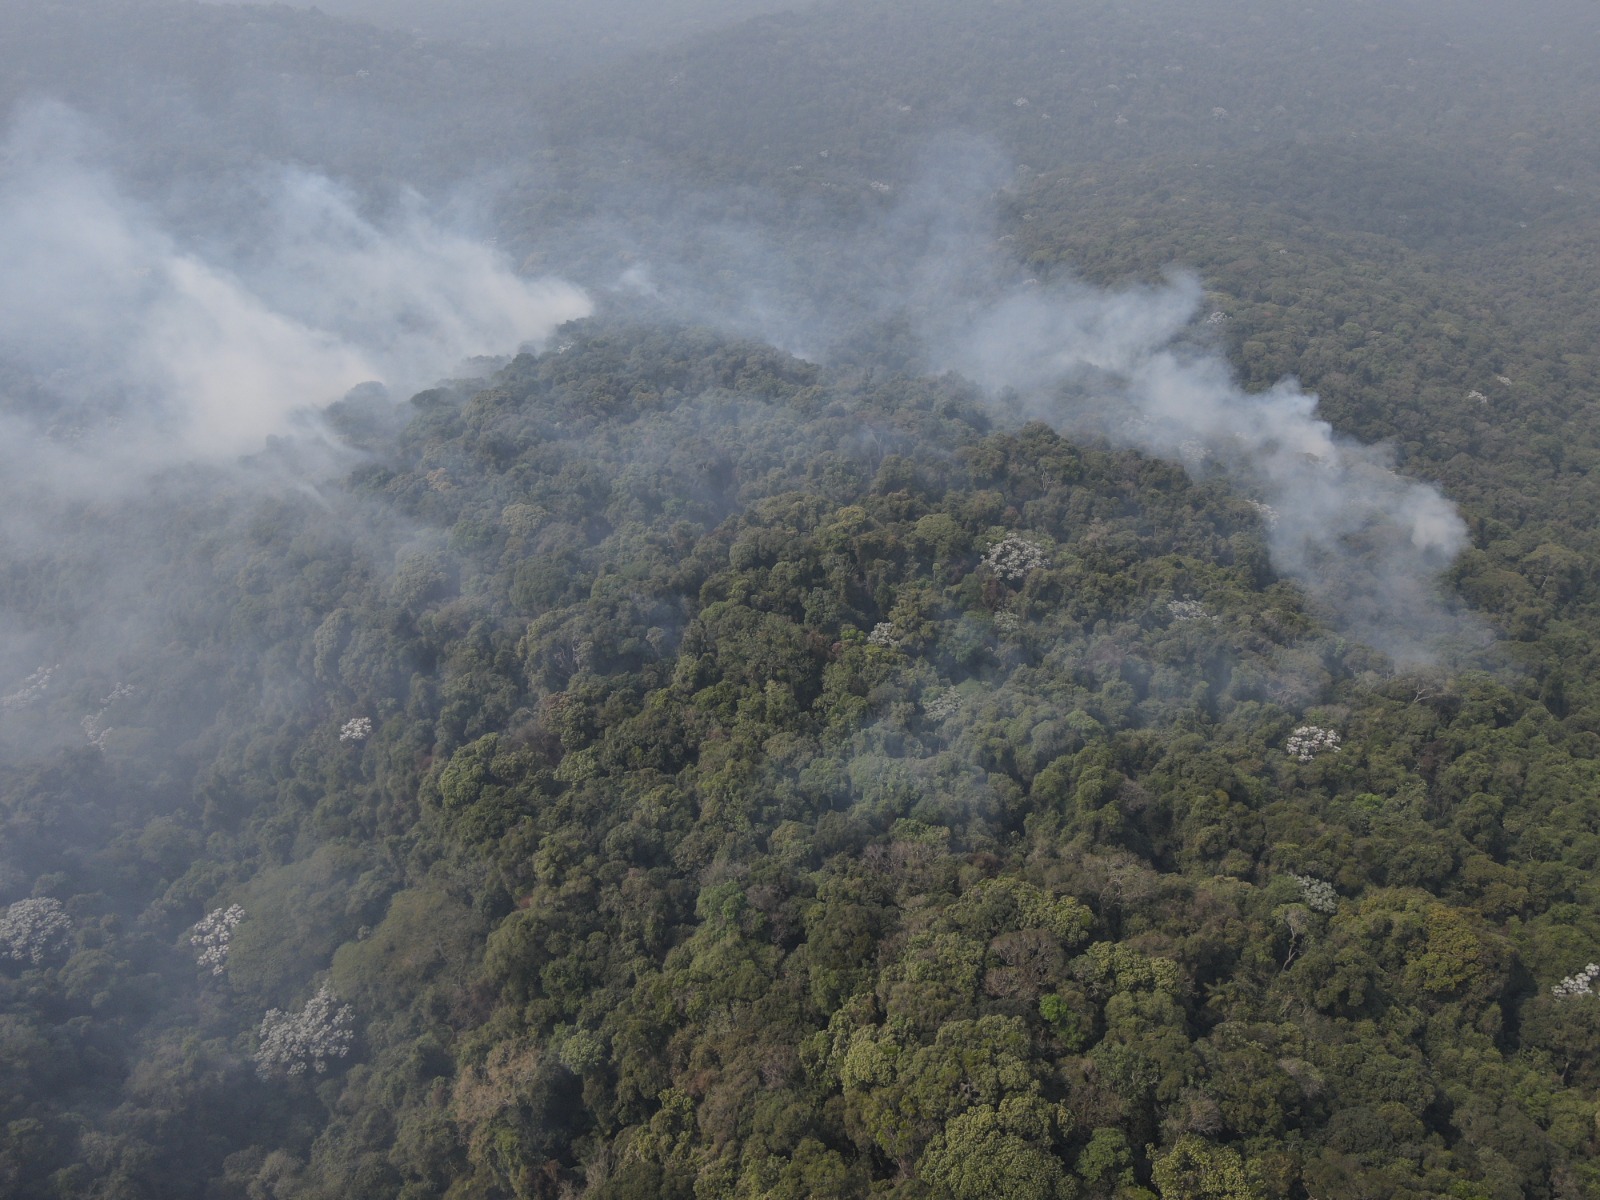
(659, 765)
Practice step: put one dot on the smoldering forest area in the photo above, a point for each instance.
(742, 598)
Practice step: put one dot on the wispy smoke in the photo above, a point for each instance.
(1135, 366)
(1132, 366)
(125, 346)
(144, 361)
(139, 350)
(1366, 543)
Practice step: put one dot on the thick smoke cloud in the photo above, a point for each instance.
(137, 350)
(146, 361)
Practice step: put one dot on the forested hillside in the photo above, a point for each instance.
(741, 778)
(658, 765)
(1428, 119)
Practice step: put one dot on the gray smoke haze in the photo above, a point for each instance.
(1138, 367)
(131, 350)
(565, 34)
(1366, 543)
(152, 374)
(127, 349)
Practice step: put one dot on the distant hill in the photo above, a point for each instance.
(816, 94)
(561, 35)
(185, 93)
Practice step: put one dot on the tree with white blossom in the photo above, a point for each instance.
(33, 687)
(292, 1043)
(1268, 514)
(34, 929)
(94, 724)
(212, 936)
(1317, 894)
(356, 729)
(1578, 984)
(1308, 741)
(883, 634)
(1013, 557)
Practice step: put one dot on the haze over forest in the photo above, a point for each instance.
(734, 598)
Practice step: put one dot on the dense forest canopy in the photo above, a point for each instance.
(859, 599)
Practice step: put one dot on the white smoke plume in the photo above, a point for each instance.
(151, 348)
(136, 350)
(1366, 543)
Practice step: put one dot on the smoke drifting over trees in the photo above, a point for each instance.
(143, 348)
(1364, 541)
(892, 598)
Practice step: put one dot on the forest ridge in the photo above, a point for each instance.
(657, 764)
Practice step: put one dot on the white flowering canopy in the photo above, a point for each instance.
(1318, 894)
(292, 1043)
(212, 936)
(356, 729)
(1308, 741)
(1579, 984)
(33, 930)
(1013, 557)
(883, 634)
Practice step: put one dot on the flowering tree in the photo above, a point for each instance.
(1268, 514)
(356, 729)
(1013, 557)
(1308, 741)
(1579, 984)
(94, 724)
(1318, 894)
(95, 730)
(34, 929)
(317, 1034)
(32, 688)
(212, 936)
